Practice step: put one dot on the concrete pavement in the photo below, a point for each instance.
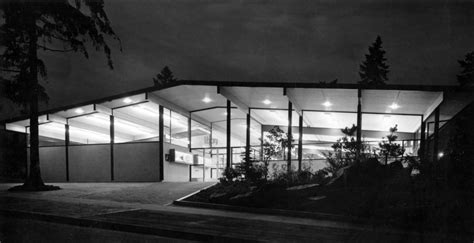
(76, 207)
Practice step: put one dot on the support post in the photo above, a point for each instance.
(436, 135)
(189, 132)
(247, 139)
(161, 134)
(359, 122)
(112, 138)
(66, 147)
(290, 135)
(300, 143)
(228, 136)
(261, 143)
(421, 150)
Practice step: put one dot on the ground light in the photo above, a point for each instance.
(440, 155)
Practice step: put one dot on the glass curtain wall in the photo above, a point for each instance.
(91, 129)
(137, 123)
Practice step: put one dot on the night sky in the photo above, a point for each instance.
(304, 41)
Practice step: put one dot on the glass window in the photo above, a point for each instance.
(179, 129)
(137, 123)
(167, 125)
(50, 134)
(200, 135)
(91, 129)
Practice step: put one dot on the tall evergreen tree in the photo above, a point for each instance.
(466, 77)
(374, 70)
(31, 25)
(164, 77)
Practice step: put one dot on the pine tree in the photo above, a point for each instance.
(467, 74)
(44, 25)
(389, 147)
(374, 70)
(164, 77)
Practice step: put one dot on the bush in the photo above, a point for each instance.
(229, 175)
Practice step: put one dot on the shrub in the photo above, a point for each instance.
(229, 175)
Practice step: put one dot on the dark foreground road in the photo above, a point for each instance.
(28, 230)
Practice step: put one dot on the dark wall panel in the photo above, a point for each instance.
(89, 163)
(136, 162)
(53, 163)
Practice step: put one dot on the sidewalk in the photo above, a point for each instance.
(191, 223)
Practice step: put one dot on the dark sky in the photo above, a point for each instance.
(306, 41)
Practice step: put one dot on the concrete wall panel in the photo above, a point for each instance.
(135, 162)
(89, 163)
(53, 163)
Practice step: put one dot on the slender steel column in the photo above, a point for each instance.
(421, 150)
(66, 146)
(112, 140)
(228, 136)
(300, 142)
(161, 147)
(189, 132)
(261, 143)
(436, 135)
(290, 135)
(210, 139)
(247, 138)
(359, 121)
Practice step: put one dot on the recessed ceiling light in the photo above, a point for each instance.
(266, 101)
(225, 113)
(127, 100)
(327, 103)
(206, 99)
(79, 110)
(394, 106)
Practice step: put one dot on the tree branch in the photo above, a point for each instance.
(10, 70)
(49, 49)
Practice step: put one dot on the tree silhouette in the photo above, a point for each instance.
(374, 70)
(466, 77)
(44, 25)
(389, 147)
(164, 77)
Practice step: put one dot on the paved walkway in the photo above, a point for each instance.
(158, 193)
(96, 205)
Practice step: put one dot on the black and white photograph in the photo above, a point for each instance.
(236, 121)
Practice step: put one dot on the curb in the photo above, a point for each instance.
(299, 214)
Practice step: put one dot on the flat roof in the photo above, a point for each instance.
(301, 88)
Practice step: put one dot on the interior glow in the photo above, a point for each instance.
(206, 99)
(394, 106)
(79, 110)
(127, 100)
(143, 110)
(266, 101)
(327, 103)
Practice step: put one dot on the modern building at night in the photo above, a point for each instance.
(192, 130)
